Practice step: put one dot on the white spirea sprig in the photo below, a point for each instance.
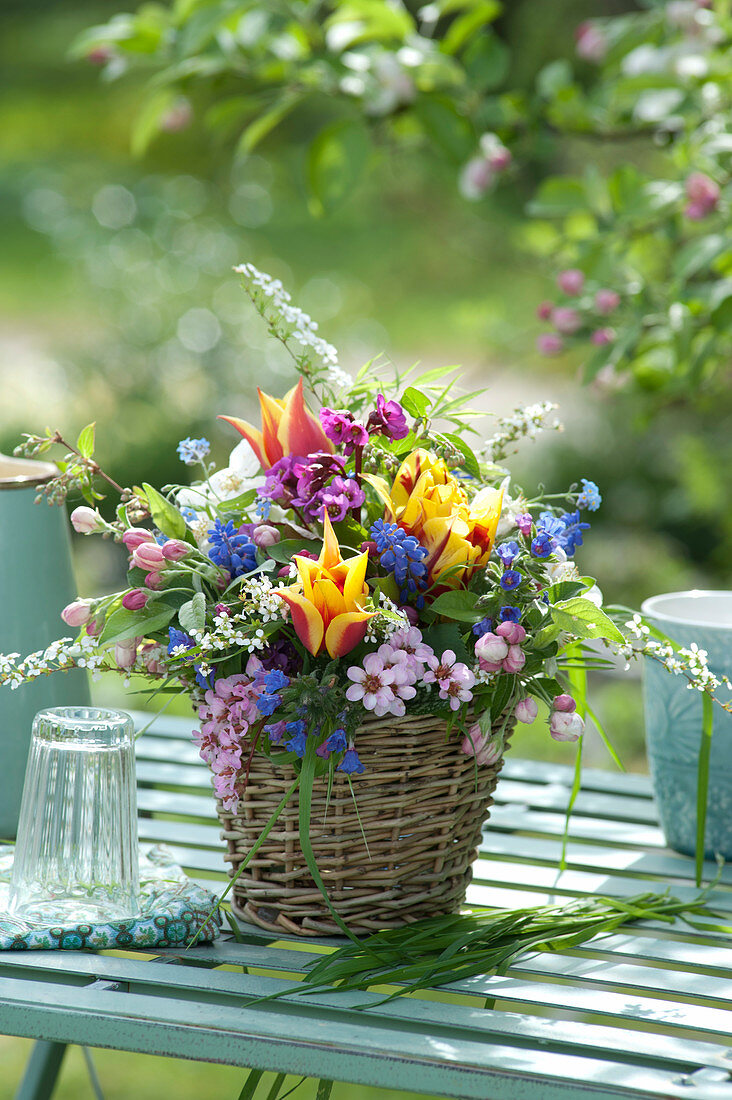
(60, 656)
(293, 327)
(690, 662)
(525, 421)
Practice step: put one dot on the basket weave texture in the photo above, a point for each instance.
(421, 805)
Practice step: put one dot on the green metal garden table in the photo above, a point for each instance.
(642, 1013)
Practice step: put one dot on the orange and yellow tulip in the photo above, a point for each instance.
(328, 599)
(288, 428)
(429, 503)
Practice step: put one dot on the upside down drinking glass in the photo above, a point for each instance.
(76, 857)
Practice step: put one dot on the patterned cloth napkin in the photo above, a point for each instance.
(172, 911)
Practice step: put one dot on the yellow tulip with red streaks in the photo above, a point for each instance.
(288, 428)
(327, 602)
(427, 501)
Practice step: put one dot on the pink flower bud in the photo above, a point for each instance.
(265, 535)
(602, 336)
(86, 520)
(490, 647)
(148, 555)
(222, 609)
(548, 343)
(566, 319)
(368, 547)
(135, 599)
(100, 55)
(514, 633)
(126, 652)
(77, 613)
(475, 178)
(480, 745)
(411, 613)
(515, 660)
(591, 43)
(606, 300)
(135, 536)
(94, 626)
(500, 159)
(178, 116)
(544, 310)
(154, 581)
(152, 658)
(571, 281)
(565, 727)
(175, 549)
(703, 195)
(526, 710)
(564, 703)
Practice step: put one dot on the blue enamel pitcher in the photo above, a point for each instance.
(36, 583)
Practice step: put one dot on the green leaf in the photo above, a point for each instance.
(336, 160)
(698, 254)
(442, 636)
(487, 60)
(553, 77)
(471, 466)
(192, 614)
(466, 26)
(415, 402)
(460, 605)
(558, 196)
(236, 505)
(263, 124)
(446, 126)
(502, 694)
(284, 551)
(582, 618)
(123, 624)
(85, 442)
(147, 123)
(250, 1084)
(165, 515)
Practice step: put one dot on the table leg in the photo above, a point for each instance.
(41, 1073)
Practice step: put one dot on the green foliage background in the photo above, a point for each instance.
(119, 305)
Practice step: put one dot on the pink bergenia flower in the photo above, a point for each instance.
(409, 639)
(371, 684)
(481, 746)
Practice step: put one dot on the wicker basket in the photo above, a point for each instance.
(421, 805)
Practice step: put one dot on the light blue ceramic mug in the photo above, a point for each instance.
(36, 583)
(673, 716)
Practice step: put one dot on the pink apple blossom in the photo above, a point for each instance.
(265, 535)
(148, 555)
(526, 710)
(86, 520)
(135, 599)
(513, 633)
(602, 336)
(491, 647)
(126, 652)
(566, 319)
(515, 660)
(135, 536)
(564, 703)
(606, 300)
(565, 727)
(571, 281)
(544, 310)
(549, 343)
(176, 549)
(590, 42)
(77, 613)
(481, 746)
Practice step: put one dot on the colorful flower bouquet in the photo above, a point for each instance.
(360, 593)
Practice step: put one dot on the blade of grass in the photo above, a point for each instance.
(702, 782)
